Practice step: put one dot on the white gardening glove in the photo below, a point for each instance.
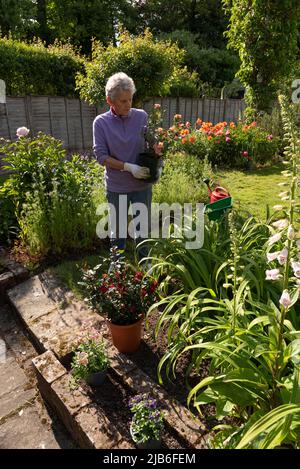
(139, 172)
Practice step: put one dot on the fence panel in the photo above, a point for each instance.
(70, 120)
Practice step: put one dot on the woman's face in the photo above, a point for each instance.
(121, 103)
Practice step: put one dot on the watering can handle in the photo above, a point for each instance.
(221, 189)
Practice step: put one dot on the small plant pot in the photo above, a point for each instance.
(96, 379)
(150, 444)
(151, 161)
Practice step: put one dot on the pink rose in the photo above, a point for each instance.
(22, 132)
(270, 137)
(157, 106)
(228, 139)
(245, 154)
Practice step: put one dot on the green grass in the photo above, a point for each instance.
(253, 191)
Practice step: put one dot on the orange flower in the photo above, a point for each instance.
(232, 125)
(192, 139)
(209, 137)
(199, 121)
(177, 117)
(184, 140)
(184, 132)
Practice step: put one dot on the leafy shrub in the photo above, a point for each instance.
(232, 145)
(150, 63)
(55, 199)
(214, 67)
(181, 180)
(35, 69)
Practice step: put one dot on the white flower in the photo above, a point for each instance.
(22, 131)
(285, 299)
(296, 269)
(281, 224)
(278, 207)
(273, 274)
(291, 232)
(283, 194)
(282, 256)
(271, 256)
(273, 239)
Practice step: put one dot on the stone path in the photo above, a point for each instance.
(25, 422)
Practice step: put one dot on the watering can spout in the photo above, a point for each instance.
(206, 181)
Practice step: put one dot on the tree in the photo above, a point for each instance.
(214, 66)
(206, 19)
(80, 21)
(16, 17)
(265, 34)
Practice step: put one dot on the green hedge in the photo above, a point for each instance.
(35, 69)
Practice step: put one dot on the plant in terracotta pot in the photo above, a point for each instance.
(90, 361)
(123, 295)
(152, 146)
(147, 423)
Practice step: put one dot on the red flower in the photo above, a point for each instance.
(138, 276)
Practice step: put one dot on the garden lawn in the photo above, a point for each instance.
(254, 190)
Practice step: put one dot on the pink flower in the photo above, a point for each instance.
(290, 233)
(177, 117)
(227, 132)
(296, 269)
(271, 256)
(273, 239)
(285, 299)
(228, 139)
(282, 256)
(245, 154)
(188, 124)
(157, 106)
(273, 274)
(22, 132)
(270, 137)
(281, 224)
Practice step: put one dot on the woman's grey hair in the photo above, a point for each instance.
(119, 82)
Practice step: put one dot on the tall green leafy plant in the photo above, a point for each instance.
(267, 46)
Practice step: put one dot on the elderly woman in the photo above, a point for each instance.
(117, 142)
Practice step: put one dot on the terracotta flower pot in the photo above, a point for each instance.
(126, 338)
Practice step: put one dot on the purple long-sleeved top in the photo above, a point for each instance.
(120, 137)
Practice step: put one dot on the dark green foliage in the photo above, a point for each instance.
(33, 69)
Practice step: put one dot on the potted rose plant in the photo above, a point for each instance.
(123, 295)
(151, 155)
(90, 361)
(147, 422)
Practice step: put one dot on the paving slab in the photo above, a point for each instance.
(31, 300)
(25, 431)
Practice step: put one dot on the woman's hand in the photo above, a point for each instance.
(139, 172)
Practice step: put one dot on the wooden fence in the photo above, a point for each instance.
(70, 120)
